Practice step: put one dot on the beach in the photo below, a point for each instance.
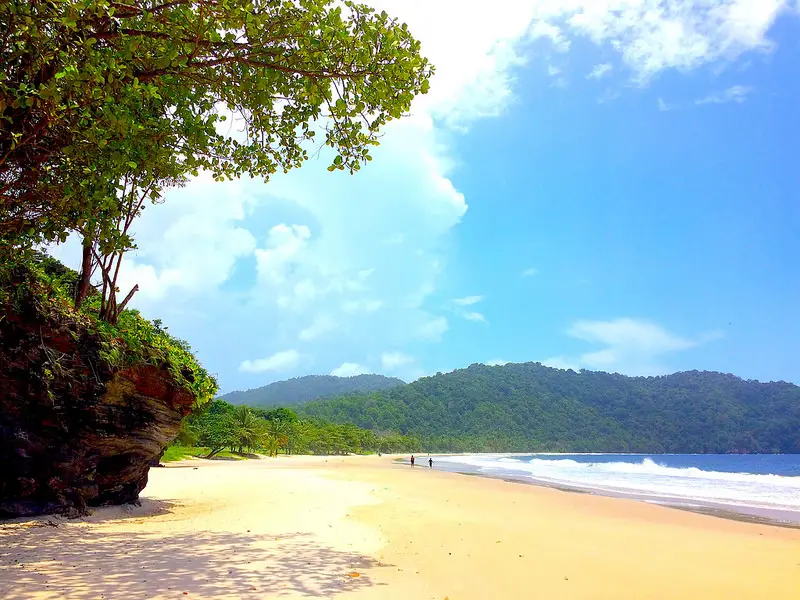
(365, 527)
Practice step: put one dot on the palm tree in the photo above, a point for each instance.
(248, 429)
(276, 434)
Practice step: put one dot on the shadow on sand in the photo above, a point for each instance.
(76, 561)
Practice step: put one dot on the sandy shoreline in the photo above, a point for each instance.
(363, 527)
(734, 512)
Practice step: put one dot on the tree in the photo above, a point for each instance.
(284, 415)
(217, 433)
(92, 91)
(249, 432)
(220, 425)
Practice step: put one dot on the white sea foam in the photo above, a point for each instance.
(646, 477)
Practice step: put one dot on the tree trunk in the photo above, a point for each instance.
(213, 452)
(84, 279)
(115, 317)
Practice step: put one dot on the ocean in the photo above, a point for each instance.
(762, 485)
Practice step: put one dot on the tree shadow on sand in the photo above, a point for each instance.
(78, 563)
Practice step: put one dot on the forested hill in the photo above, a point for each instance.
(311, 387)
(530, 407)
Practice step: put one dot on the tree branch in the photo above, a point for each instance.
(121, 307)
(150, 75)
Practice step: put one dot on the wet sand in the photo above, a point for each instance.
(364, 527)
(747, 514)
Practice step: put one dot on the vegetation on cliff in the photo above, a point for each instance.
(45, 287)
(530, 407)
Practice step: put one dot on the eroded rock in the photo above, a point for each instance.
(73, 431)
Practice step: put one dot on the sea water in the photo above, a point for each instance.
(756, 484)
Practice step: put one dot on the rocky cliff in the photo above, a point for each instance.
(75, 431)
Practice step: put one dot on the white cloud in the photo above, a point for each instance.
(600, 71)
(552, 71)
(629, 346)
(531, 272)
(542, 29)
(474, 316)
(280, 361)
(391, 361)
(737, 94)
(190, 244)
(633, 333)
(349, 369)
(559, 362)
(468, 300)
(496, 362)
(608, 96)
(665, 107)
(361, 306)
(477, 51)
(321, 325)
(282, 252)
(652, 35)
(432, 329)
(469, 315)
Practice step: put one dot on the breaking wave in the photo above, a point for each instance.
(646, 476)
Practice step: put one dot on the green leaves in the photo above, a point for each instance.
(221, 425)
(101, 104)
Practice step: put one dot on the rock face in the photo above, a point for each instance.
(73, 432)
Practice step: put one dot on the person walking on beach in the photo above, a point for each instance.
(412, 460)
(430, 463)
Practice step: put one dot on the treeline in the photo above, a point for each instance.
(310, 387)
(241, 429)
(530, 407)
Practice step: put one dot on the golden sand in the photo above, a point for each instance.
(363, 527)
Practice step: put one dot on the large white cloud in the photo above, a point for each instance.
(653, 35)
(627, 345)
(476, 50)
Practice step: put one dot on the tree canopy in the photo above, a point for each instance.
(530, 407)
(222, 426)
(105, 104)
(309, 387)
(92, 91)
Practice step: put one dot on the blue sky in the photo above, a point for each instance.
(607, 187)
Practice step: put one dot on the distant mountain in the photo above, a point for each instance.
(530, 407)
(311, 387)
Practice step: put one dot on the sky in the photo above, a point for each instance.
(610, 185)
